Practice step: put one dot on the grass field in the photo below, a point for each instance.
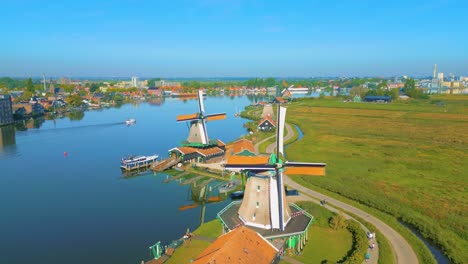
(407, 159)
(324, 242)
(188, 252)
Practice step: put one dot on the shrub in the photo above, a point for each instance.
(357, 253)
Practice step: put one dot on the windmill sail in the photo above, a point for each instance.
(198, 133)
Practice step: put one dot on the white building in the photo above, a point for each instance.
(166, 83)
(440, 76)
(134, 81)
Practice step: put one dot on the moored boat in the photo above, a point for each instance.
(237, 195)
(135, 162)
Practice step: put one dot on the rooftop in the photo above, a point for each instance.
(267, 118)
(241, 145)
(298, 223)
(241, 245)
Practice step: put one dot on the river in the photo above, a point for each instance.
(77, 208)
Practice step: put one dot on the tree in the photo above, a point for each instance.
(94, 87)
(270, 82)
(410, 89)
(26, 96)
(358, 90)
(74, 100)
(69, 88)
(409, 84)
(393, 93)
(30, 85)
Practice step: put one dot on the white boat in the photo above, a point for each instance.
(130, 121)
(135, 162)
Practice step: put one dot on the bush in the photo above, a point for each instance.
(358, 251)
(337, 222)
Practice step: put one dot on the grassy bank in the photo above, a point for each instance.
(324, 242)
(190, 251)
(406, 159)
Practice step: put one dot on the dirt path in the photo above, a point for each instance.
(257, 145)
(289, 134)
(403, 252)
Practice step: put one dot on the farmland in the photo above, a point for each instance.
(408, 159)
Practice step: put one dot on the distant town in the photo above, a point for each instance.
(22, 98)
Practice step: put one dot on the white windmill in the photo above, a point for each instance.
(198, 136)
(264, 204)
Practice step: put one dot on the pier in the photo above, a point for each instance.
(173, 178)
(164, 164)
(194, 179)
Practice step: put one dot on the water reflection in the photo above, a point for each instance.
(202, 195)
(7, 140)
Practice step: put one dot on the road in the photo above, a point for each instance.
(402, 250)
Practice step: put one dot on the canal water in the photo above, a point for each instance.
(77, 208)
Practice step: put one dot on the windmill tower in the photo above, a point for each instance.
(264, 205)
(198, 136)
(267, 111)
(45, 84)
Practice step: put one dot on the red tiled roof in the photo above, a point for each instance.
(242, 245)
(241, 145)
(267, 118)
(210, 151)
(204, 152)
(220, 143)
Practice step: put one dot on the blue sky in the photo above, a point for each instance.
(216, 38)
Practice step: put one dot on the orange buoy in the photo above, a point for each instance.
(65, 154)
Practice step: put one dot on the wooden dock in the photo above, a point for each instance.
(173, 178)
(207, 174)
(194, 179)
(164, 164)
(206, 182)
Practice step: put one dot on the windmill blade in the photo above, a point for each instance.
(182, 118)
(200, 102)
(281, 117)
(204, 132)
(305, 168)
(279, 182)
(248, 162)
(218, 116)
(256, 167)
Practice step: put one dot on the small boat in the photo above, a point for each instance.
(237, 195)
(130, 121)
(230, 186)
(135, 162)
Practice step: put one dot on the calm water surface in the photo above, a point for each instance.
(79, 208)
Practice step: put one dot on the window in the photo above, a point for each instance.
(258, 204)
(258, 188)
(253, 217)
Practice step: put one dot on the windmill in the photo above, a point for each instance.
(268, 189)
(198, 135)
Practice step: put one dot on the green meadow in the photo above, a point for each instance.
(408, 159)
